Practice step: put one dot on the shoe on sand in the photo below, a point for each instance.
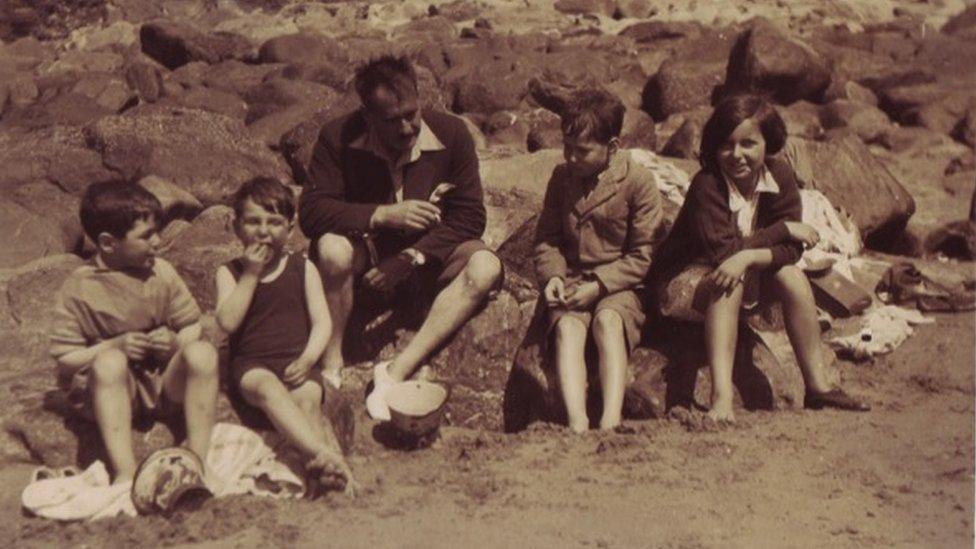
(56, 490)
(376, 400)
(834, 398)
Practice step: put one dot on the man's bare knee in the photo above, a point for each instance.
(336, 255)
(482, 272)
(110, 367)
(200, 359)
(607, 322)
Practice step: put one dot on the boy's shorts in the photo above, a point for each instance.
(147, 398)
(627, 303)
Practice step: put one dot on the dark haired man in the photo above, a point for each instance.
(394, 192)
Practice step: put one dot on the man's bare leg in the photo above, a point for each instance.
(451, 309)
(339, 261)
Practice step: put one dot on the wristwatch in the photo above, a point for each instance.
(416, 257)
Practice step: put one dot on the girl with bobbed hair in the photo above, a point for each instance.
(741, 220)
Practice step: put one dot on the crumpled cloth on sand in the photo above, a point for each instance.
(882, 331)
(240, 461)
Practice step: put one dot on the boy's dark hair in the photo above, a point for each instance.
(727, 116)
(267, 192)
(114, 206)
(594, 113)
(394, 73)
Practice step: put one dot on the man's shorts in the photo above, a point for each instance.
(431, 277)
(147, 398)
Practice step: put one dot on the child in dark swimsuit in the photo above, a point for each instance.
(273, 306)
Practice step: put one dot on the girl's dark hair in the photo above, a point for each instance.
(267, 192)
(114, 206)
(727, 116)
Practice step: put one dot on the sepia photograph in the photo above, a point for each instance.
(681, 274)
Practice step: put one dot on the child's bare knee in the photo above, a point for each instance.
(791, 282)
(607, 323)
(200, 358)
(110, 367)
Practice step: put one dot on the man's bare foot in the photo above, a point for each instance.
(721, 411)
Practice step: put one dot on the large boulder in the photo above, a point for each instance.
(58, 155)
(302, 49)
(174, 44)
(681, 85)
(29, 236)
(851, 177)
(205, 153)
(768, 61)
(197, 248)
(866, 121)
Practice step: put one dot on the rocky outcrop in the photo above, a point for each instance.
(848, 174)
(205, 153)
(768, 61)
(174, 44)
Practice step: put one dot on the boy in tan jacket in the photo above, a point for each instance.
(593, 250)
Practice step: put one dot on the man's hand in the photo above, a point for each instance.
(297, 372)
(162, 341)
(582, 295)
(256, 256)
(730, 272)
(409, 215)
(555, 292)
(801, 232)
(135, 345)
(392, 271)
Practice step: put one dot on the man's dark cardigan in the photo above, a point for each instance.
(706, 231)
(347, 184)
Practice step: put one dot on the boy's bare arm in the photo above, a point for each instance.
(321, 326)
(135, 345)
(233, 298)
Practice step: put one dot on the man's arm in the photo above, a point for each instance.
(323, 206)
(463, 214)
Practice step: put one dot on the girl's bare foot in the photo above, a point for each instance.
(579, 426)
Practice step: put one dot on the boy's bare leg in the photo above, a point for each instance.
(308, 397)
(451, 309)
(339, 261)
(111, 399)
(262, 389)
(571, 367)
(192, 379)
(608, 333)
(800, 314)
(721, 332)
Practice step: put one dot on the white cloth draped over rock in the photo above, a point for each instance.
(882, 330)
(240, 461)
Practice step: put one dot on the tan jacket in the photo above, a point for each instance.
(608, 234)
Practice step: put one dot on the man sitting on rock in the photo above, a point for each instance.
(395, 193)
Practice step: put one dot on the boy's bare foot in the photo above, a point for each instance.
(579, 426)
(331, 472)
(721, 411)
